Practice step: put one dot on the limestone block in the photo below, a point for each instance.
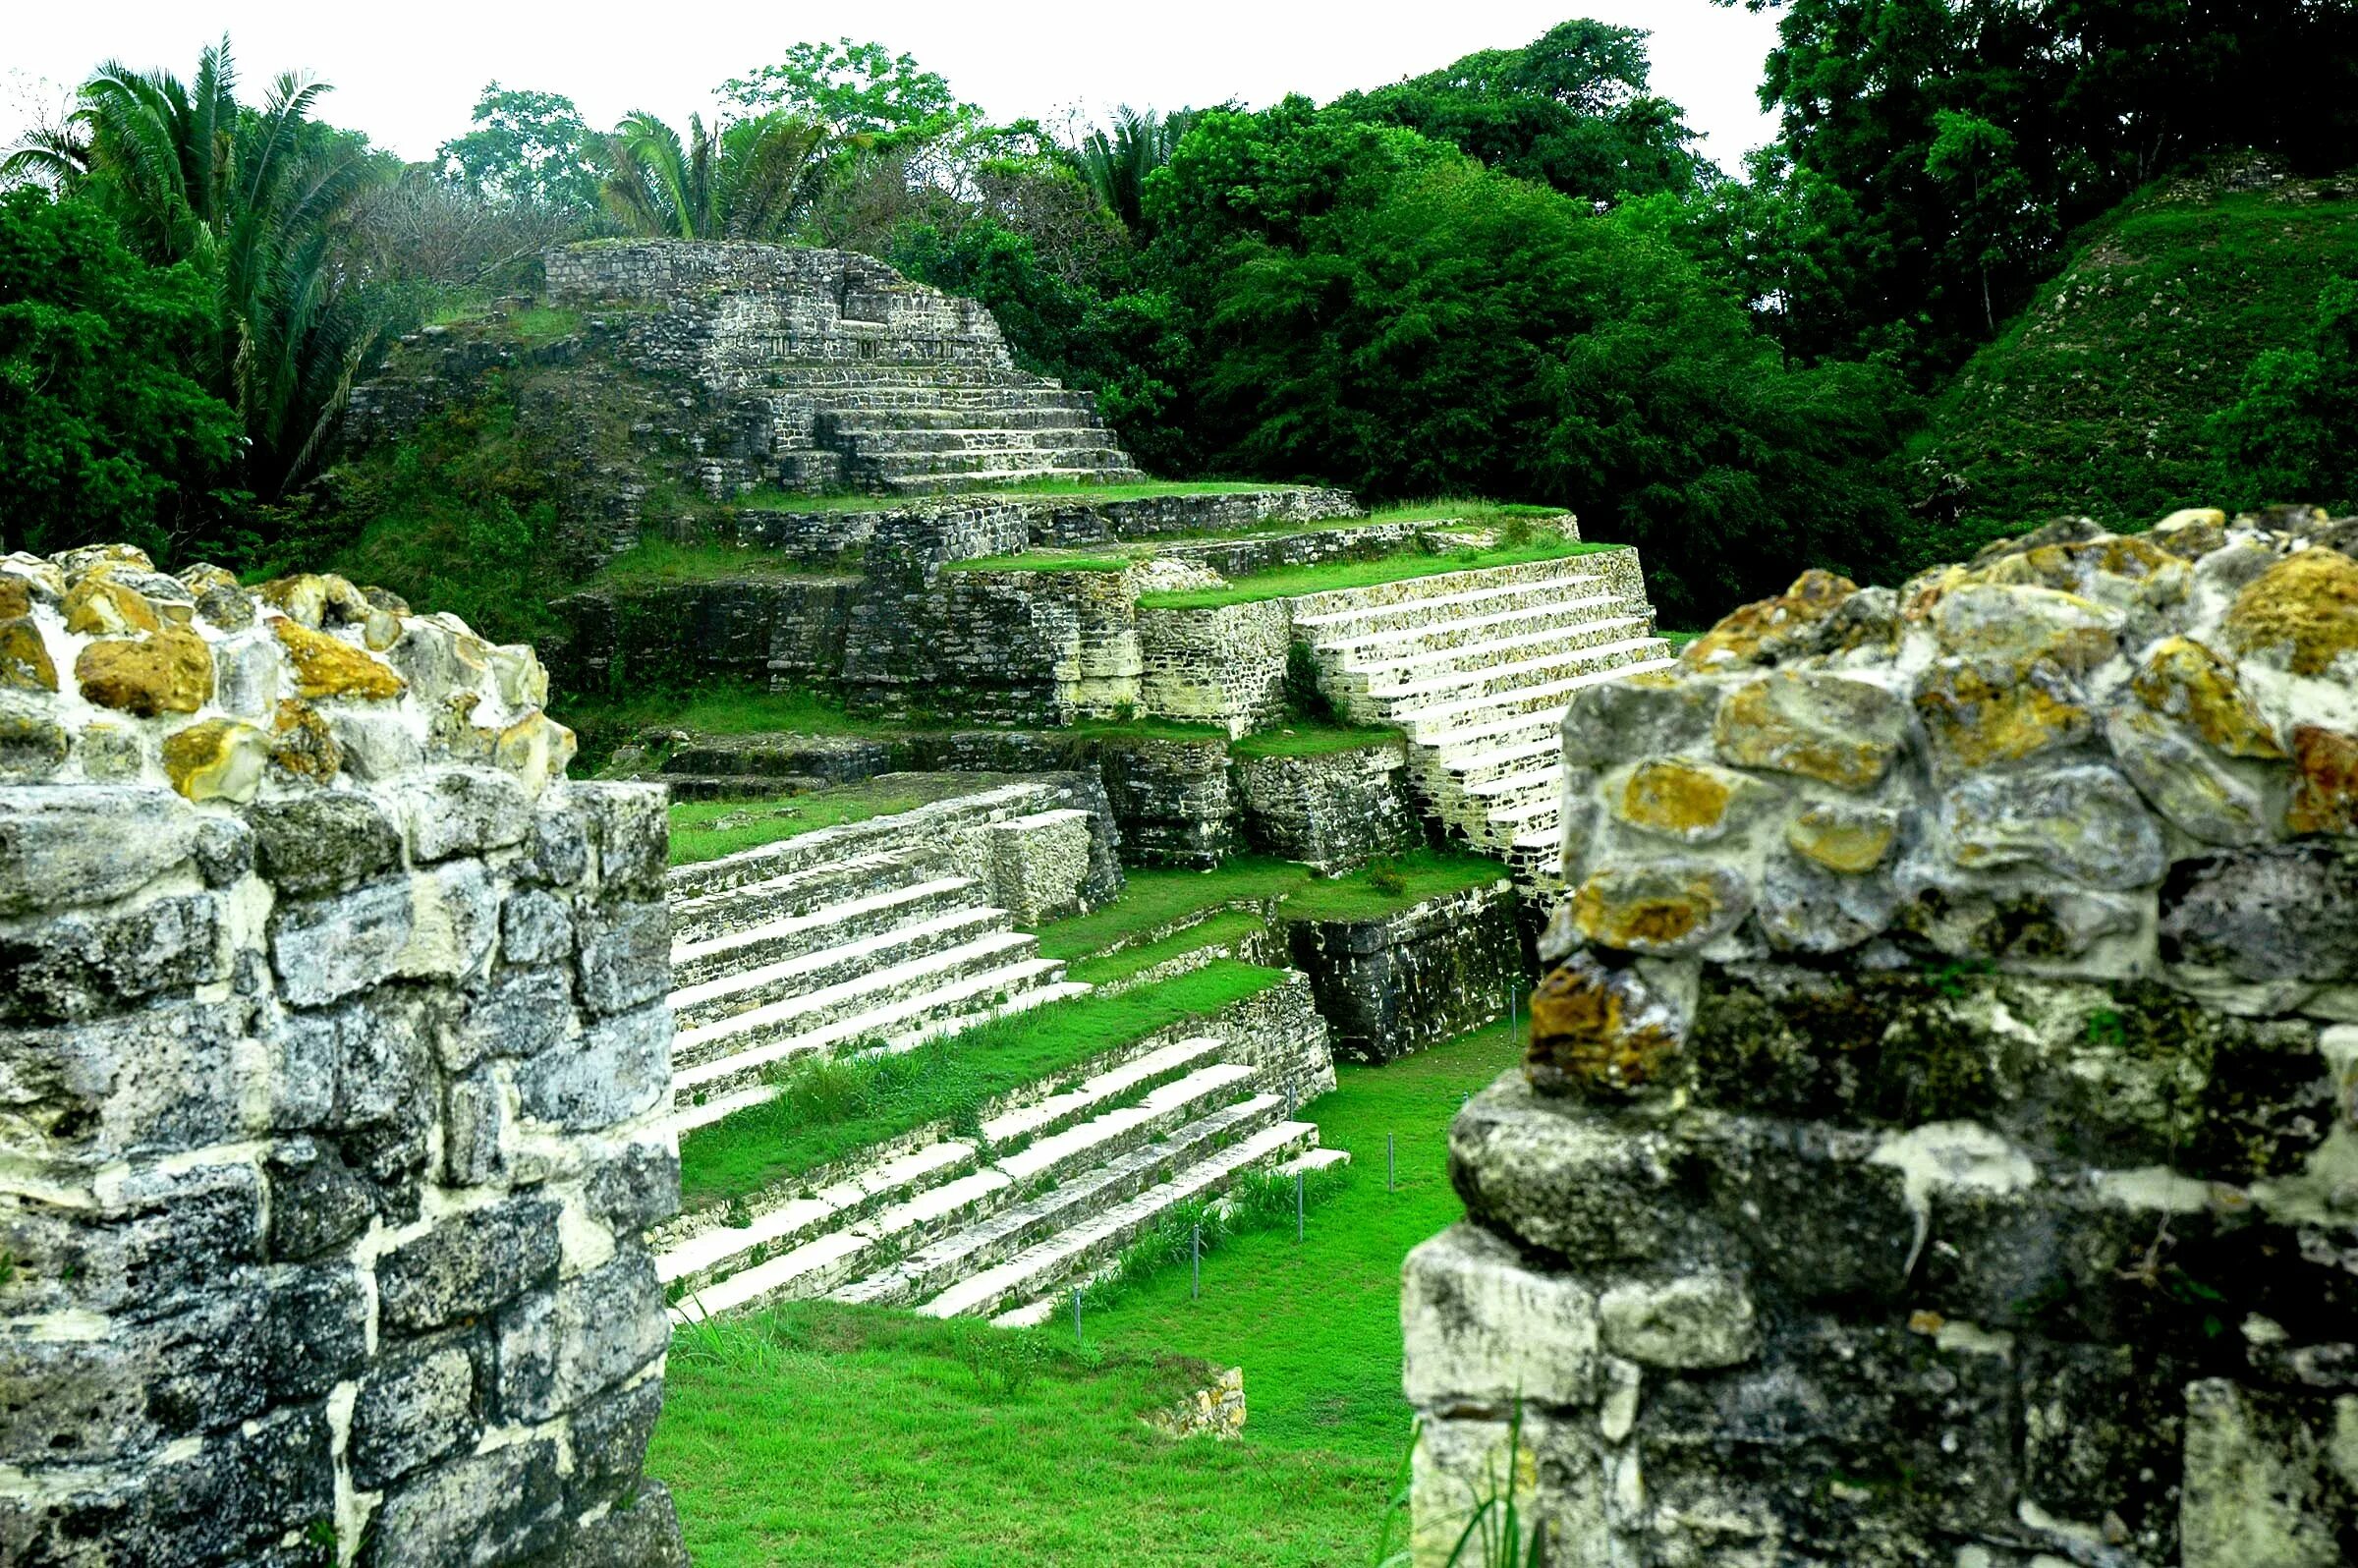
(321, 842)
(1671, 904)
(327, 948)
(110, 752)
(317, 1202)
(1792, 625)
(611, 1434)
(495, 1507)
(520, 1013)
(413, 1408)
(1804, 908)
(1559, 1176)
(2184, 781)
(455, 921)
(1657, 712)
(1689, 1321)
(164, 1234)
(25, 661)
(376, 747)
(1483, 1329)
(535, 927)
(165, 672)
(2290, 913)
(322, 665)
(2184, 680)
(461, 811)
(2325, 791)
(468, 1265)
(2085, 824)
(159, 1079)
(2254, 1483)
(616, 1070)
(2300, 614)
(629, 827)
(217, 760)
(1842, 838)
(1040, 864)
(1976, 716)
(1830, 728)
(1678, 799)
(1599, 1030)
(32, 746)
(1549, 1466)
(624, 950)
(637, 1185)
(79, 965)
(610, 1324)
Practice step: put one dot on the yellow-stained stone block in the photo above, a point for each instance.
(1974, 719)
(326, 666)
(1752, 630)
(98, 607)
(168, 672)
(16, 597)
(217, 760)
(1597, 1030)
(2305, 606)
(1851, 839)
(315, 600)
(1659, 905)
(300, 744)
(1680, 798)
(2185, 681)
(2325, 790)
(25, 661)
(1812, 725)
(535, 748)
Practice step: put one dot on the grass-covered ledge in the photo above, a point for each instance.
(1293, 581)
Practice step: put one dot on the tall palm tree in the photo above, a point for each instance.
(748, 180)
(255, 199)
(1116, 164)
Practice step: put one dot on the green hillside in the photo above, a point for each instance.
(2097, 398)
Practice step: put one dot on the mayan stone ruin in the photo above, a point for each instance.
(1939, 1137)
(333, 1051)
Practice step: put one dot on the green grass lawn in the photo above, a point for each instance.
(1308, 737)
(1046, 489)
(827, 1111)
(656, 560)
(706, 831)
(813, 1434)
(1287, 583)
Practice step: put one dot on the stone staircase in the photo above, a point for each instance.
(907, 434)
(876, 933)
(1477, 667)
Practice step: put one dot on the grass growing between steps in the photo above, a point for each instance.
(1220, 931)
(814, 1434)
(1290, 582)
(1306, 738)
(826, 1111)
(706, 831)
(657, 560)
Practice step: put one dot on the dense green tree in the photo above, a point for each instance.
(104, 435)
(527, 149)
(1115, 160)
(2293, 433)
(1379, 311)
(1970, 137)
(748, 179)
(857, 91)
(1570, 110)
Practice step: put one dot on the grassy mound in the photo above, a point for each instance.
(2097, 398)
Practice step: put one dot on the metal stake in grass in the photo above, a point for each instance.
(1194, 1261)
(1077, 1339)
(1392, 1164)
(1297, 1208)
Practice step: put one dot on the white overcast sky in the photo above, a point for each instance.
(407, 73)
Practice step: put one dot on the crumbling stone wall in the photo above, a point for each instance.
(1938, 1141)
(1336, 811)
(1392, 987)
(332, 1046)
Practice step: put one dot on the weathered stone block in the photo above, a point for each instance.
(2284, 914)
(321, 842)
(1565, 1179)
(316, 1202)
(167, 1233)
(461, 811)
(469, 1263)
(535, 927)
(610, 1323)
(413, 1408)
(614, 1071)
(64, 847)
(79, 965)
(159, 1079)
(1427, 973)
(630, 826)
(635, 1185)
(1689, 1322)
(609, 1440)
(520, 1013)
(625, 954)
(326, 949)
(496, 1507)
(1483, 1329)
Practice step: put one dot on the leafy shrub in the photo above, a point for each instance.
(1388, 880)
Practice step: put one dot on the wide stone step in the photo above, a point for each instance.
(1540, 781)
(1344, 623)
(877, 1219)
(801, 893)
(1384, 643)
(711, 1055)
(1421, 719)
(1470, 768)
(1046, 1264)
(978, 438)
(695, 1006)
(919, 828)
(774, 941)
(866, 424)
(1024, 986)
(1444, 585)
(1425, 670)
(1002, 479)
(1445, 687)
(1060, 1182)
(968, 465)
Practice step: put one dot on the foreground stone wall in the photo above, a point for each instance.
(332, 1046)
(1938, 1142)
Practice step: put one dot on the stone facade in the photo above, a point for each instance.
(1334, 811)
(1391, 987)
(1938, 1141)
(1224, 665)
(332, 1048)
